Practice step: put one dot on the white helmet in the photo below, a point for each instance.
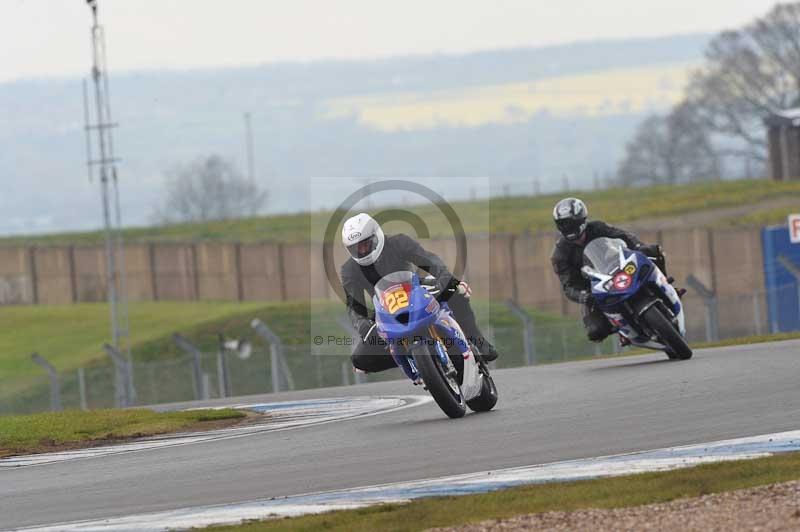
(363, 238)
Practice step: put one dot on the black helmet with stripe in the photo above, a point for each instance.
(570, 217)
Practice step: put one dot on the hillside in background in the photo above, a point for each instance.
(718, 204)
(552, 113)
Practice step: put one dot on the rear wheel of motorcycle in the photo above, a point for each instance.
(486, 400)
(669, 335)
(443, 388)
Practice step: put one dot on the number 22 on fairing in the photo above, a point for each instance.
(395, 299)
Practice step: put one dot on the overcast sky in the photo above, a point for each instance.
(43, 38)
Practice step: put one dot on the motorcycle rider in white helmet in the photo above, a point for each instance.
(570, 216)
(374, 255)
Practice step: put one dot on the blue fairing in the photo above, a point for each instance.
(409, 324)
(645, 273)
(419, 316)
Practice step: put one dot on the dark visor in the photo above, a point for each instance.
(359, 250)
(569, 226)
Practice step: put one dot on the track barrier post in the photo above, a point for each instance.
(200, 391)
(345, 324)
(121, 379)
(82, 389)
(278, 363)
(712, 307)
(527, 331)
(223, 376)
(55, 384)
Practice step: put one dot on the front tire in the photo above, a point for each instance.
(443, 388)
(667, 333)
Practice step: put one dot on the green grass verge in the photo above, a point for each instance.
(51, 430)
(503, 215)
(75, 333)
(776, 216)
(632, 490)
(70, 336)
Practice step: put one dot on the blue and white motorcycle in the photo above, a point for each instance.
(636, 297)
(430, 347)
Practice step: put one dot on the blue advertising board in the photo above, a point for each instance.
(783, 290)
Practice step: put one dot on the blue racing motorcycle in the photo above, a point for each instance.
(429, 345)
(636, 297)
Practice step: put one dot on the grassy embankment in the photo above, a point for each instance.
(505, 215)
(75, 334)
(776, 216)
(632, 490)
(53, 431)
(70, 336)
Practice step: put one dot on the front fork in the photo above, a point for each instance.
(441, 351)
(406, 362)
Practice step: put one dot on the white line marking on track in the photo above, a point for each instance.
(485, 481)
(285, 415)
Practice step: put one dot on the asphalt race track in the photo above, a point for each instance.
(545, 414)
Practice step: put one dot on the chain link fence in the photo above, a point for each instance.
(268, 365)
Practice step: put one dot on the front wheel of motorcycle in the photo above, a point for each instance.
(443, 387)
(667, 333)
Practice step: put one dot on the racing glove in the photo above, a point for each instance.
(447, 288)
(464, 289)
(586, 298)
(651, 250)
(435, 287)
(656, 254)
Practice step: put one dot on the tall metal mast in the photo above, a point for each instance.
(248, 134)
(112, 215)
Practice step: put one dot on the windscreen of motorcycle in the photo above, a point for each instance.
(602, 254)
(394, 291)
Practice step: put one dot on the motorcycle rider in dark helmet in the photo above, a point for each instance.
(570, 216)
(374, 255)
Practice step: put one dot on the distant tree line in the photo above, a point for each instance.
(208, 188)
(747, 74)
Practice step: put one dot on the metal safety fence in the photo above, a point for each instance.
(272, 364)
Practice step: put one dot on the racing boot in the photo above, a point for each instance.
(483, 348)
(488, 352)
(623, 341)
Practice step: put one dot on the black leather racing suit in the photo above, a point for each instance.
(400, 253)
(567, 261)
